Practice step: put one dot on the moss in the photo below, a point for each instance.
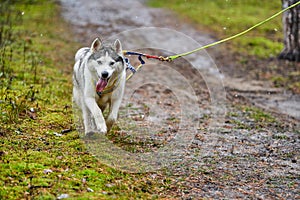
(251, 118)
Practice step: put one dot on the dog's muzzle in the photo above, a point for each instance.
(104, 74)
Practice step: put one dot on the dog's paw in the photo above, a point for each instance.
(109, 123)
(90, 133)
(93, 136)
(102, 129)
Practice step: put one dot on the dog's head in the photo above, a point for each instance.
(106, 62)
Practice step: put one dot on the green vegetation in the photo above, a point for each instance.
(252, 118)
(41, 157)
(229, 17)
(290, 80)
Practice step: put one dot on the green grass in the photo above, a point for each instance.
(252, 118)
(36, 60)
(228, 17)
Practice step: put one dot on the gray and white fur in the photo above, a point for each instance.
(105, 64)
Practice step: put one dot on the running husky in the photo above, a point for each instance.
(99, 81)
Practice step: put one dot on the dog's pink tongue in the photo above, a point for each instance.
(100, 85)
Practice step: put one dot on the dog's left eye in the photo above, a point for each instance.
(99, 62)
(111, 63)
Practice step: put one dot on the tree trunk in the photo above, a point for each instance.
(291, 29)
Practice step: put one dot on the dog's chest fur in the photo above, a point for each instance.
(103, 101)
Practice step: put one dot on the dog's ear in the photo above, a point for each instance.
(96, 45)
(118, 47)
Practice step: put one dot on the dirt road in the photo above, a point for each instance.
(223, 152)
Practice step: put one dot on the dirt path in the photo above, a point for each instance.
(217, 150)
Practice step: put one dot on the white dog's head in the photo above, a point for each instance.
(106, 62)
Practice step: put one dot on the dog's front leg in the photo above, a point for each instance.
(96, 114)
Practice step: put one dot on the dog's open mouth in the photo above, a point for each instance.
(101, 84)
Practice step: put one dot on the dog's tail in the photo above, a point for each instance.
(81, 53)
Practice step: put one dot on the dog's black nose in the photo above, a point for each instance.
(104, 74)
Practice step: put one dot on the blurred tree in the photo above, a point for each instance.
(291, 29)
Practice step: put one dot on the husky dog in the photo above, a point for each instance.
(99, 81)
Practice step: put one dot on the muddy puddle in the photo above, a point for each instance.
(182, 103)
